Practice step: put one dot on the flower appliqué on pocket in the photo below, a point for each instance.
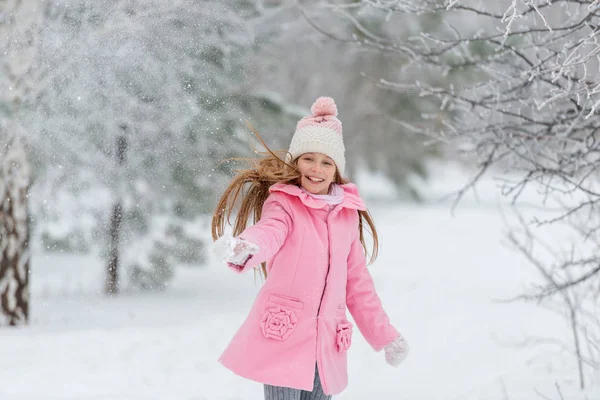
(344, 336)
(278, 323)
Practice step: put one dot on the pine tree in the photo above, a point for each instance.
(175, 75)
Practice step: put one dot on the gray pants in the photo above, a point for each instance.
(284, 393)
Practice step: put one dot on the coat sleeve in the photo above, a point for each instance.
(364, 303)
(269, 233)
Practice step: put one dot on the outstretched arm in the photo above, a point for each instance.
(364, 303)
(260, 242)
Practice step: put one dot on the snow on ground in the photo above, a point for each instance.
(440, 278)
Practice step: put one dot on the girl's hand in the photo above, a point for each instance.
(396, 351)
(234, 251)
(242, 251)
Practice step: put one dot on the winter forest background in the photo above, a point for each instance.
(471, 128)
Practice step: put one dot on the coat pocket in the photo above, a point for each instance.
(286, 301)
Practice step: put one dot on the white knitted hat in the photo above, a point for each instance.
(320, 132)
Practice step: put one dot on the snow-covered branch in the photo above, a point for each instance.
(520, 81)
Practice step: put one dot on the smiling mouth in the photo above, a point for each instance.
(315, 180)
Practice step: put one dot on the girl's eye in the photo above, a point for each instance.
(327, 163)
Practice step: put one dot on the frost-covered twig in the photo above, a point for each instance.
(531, 101)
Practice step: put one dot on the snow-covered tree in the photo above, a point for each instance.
(169, 79)
(164, 74)
(533, 102)
(531, 107)
(18, 26)
(14, 228)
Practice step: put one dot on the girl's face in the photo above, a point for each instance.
(318, 171)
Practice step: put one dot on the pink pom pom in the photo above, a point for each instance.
(324, 106)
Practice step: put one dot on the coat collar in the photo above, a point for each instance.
(351, 198)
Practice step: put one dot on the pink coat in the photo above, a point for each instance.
(316, 268)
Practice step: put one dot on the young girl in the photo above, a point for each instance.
(309, 231)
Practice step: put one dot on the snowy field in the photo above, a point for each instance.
(441, 278)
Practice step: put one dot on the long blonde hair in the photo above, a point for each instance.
(259, 177)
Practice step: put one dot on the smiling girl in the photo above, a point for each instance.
(308, 236)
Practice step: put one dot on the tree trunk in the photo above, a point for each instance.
(112, 280)
(116, 217)
(14, 233)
